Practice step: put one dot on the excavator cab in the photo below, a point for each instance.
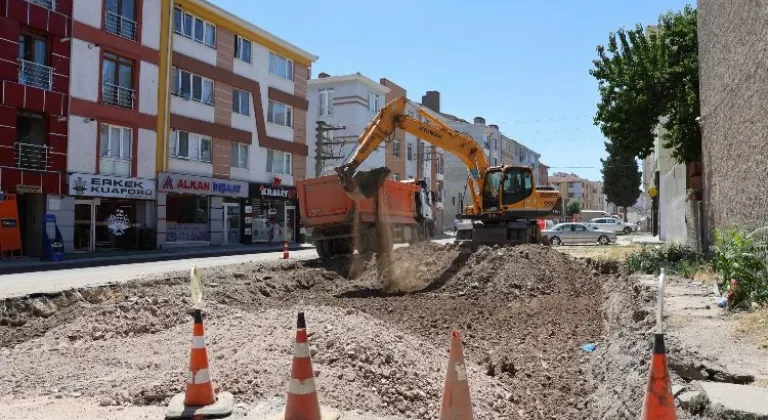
(505, 186)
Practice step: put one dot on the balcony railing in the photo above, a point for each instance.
(117, 95)
(35, 74)
(48, 4)
(32, 156)
(120, 26)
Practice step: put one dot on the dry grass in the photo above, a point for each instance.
(706, 276)
(611, 252)
(755, 324)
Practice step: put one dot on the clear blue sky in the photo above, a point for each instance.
(521, 64)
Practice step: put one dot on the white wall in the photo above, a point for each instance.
(672, 196)
(148, 88)
(279, 131)
(88, 12)
(192, 109)
(145, 155)
(84, 80)
(190, 167)
(194, 49)
(81, 146)
(150, 25)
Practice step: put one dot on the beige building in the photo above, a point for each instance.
(573, 187)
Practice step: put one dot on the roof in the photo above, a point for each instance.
(262, 36)
(554, 179)
(356, 77)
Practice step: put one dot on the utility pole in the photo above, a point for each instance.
(322, 154)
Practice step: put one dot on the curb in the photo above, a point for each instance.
(94, 262)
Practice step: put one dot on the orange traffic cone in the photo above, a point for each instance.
(285, 250)
(198, 399)
(659, 403)
(302, 401)
(457, 404)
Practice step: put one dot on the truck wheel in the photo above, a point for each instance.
(320, 247)
(342, 246)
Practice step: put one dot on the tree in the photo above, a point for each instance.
(621, 178)
(574, 207)
(651, 77)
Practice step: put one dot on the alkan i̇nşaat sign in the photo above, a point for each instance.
(95, 185)
(190, 184)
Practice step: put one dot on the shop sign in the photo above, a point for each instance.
(95, 185)
(29, 189)
(276, 189)
(189, 184)
(118, 222)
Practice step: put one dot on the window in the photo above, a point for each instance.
(396, 148)
(279, 113)
(278, 162)
(280, 66)
(243, 49)
(494, 162)
(193, 27)
(120, 18)
(190, 146)
(115, 142)
(495, 146)
(325, 102)
(240, 155)
(373, 102)
(485, 141)
(241, 102)
(409, 151)
(33, 62)
(192, 86)
(31, 151)
(117, 81)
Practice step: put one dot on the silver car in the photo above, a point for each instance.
(612, 224)
(573, 233)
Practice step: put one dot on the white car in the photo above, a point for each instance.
(577, 233)
(612, 224)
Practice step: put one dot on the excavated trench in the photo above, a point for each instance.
(524, 313)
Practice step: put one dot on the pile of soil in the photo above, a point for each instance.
(523, 313)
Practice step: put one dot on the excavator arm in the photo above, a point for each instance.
(360, 184)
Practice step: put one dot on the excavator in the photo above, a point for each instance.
(505, 206)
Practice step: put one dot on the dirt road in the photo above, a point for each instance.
(524, 312)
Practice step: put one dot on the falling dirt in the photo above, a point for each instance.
(524, 312)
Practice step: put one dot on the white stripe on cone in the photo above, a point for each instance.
(301, 350)
(200, 377)
(297, 387)
(198, 342)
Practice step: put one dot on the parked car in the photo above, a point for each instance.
(612, 224)
(577, 233)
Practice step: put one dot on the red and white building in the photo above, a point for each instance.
(35, 45)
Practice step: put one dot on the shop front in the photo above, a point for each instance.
(196, 210)
(112, 213)
(272, 212)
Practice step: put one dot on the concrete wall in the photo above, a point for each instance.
(732, 40)
(672, 199)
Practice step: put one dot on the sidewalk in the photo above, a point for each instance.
(646, 239)
(96, 259)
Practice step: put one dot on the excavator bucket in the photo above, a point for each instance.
(362, 184)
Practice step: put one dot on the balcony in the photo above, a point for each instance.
(117, 95)
(35, 74)
(48, 4)
(120, 26)
(32, 156)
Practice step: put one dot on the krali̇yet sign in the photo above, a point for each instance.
(94, 185)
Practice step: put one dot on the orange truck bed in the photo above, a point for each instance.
(322, 202)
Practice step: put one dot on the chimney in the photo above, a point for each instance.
(494, 126)
(480, 120)
(431, 100)
(323, 75)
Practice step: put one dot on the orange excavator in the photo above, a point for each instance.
(505, 206)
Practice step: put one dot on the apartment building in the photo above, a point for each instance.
(573, 187)
(347, 103)
(110, 202)
(542, 177)
(35, 48)
(234, 137)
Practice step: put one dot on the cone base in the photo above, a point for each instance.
(224, 405)
(325, 414)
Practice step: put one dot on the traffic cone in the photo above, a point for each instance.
(302, 401)
(285, 250)
(659, 403)
(457, 404)
(198, 399)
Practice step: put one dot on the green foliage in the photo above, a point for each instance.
(740, 256)
(573, 207)
(621, 179)
(644, 75)
(674, 259)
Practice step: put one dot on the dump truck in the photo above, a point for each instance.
(327, 210)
